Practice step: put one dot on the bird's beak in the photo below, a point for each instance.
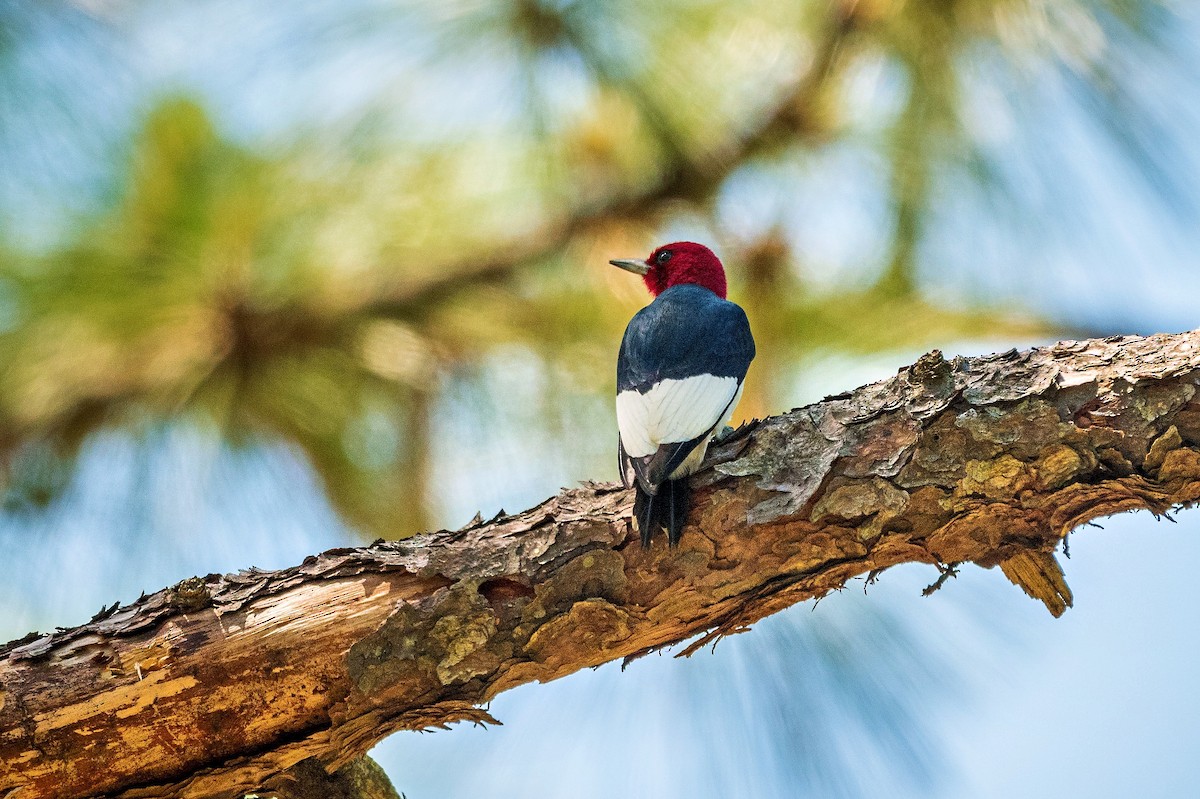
(637, 266)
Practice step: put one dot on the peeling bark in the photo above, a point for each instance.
(222, 684)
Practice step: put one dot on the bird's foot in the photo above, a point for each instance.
(723, 434)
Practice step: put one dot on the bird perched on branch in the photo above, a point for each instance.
(679, 375)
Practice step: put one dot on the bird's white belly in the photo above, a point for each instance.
(675, 411)
(693, 461)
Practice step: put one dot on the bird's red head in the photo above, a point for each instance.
(681, 262)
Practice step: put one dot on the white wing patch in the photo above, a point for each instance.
(673, 411)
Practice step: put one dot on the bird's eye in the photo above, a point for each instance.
(663, 257)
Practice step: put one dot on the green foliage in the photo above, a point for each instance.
(197, 297)
(320, 292)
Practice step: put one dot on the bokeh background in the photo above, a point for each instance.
(291, 274)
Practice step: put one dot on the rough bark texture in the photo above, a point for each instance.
(362, 778)
(220, 684)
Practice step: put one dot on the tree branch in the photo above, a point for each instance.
(220, 684)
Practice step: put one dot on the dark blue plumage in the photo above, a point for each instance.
(686, 331)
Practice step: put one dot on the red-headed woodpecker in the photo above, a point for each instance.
(679, 376)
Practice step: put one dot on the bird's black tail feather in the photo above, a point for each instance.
(681, 495)
(667, 509)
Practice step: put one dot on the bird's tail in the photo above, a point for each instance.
(668, 509)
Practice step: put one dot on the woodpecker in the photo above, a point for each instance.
(679, 375)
